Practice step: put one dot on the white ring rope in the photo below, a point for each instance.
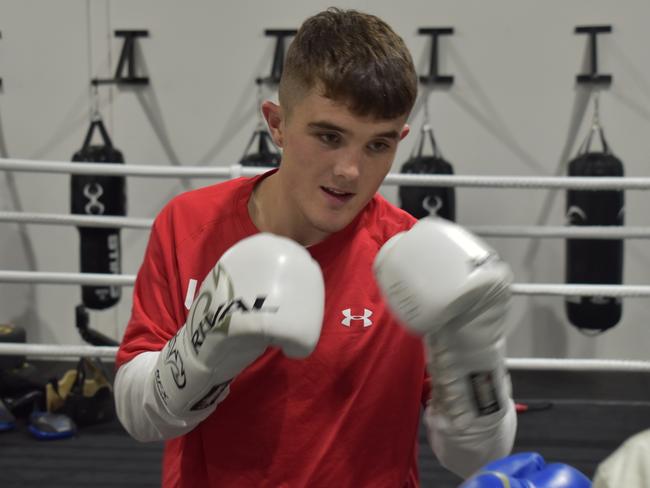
(631, 291)
(114, 169)
(548, 289)
(76, 220)
(578, 364)
(520, 182)
(47, 277)
(584, 232)
(54, 350)
(228, 172)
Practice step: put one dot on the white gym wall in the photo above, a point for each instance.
(513, 110)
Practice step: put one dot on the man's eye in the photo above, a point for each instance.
(329, 138)
(378, 146)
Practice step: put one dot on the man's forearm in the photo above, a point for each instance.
(465, 451)
(138, 408)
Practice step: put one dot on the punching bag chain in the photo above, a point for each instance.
(426, 132)
(596, 128)
(94, 104)
(595, 122)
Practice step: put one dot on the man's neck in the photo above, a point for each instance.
(272, 212)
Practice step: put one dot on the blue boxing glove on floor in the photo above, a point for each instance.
(527, 470)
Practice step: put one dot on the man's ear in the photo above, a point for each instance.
(272, 113)
(405, 130)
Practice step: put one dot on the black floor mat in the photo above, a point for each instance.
(99, 456)
(577, 432)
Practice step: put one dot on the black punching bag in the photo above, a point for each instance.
(267, 154)
(422, 201)
(100, 248)
(595, 261)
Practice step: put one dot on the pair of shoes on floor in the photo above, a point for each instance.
(41, 424)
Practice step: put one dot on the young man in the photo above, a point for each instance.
(287, 367)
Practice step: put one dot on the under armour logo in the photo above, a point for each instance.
(94, 191)
(432, 207)
(347, 313)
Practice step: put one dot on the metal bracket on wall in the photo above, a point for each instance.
(594, 77)
(435, 78)
(278, 56)
(126, 61)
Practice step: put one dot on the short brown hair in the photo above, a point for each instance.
(356, 59)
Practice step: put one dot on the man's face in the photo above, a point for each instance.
(333, 162)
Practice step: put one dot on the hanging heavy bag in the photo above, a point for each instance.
(267, 154)
(100, 248)
(422, 201)
(594, 261)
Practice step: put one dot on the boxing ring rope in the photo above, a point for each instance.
(61, 278)
(56, 350)
(521, 182)
(98, 279)
(546, 364)
(576, 232)
(143, 170)
(76, 220)
(583, 232)
(234, 171)
(109, 352)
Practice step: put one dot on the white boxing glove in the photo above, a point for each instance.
(439, 272)
(450, 287)
(265, 290)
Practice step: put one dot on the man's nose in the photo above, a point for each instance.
(348, 165)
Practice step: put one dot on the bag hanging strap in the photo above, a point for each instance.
(97, 123)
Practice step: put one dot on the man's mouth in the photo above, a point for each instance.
(339, 195)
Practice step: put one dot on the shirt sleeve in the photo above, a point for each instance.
(157, 311)
(157, 314)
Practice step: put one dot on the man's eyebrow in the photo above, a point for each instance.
(326, 126)
(391, 134)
